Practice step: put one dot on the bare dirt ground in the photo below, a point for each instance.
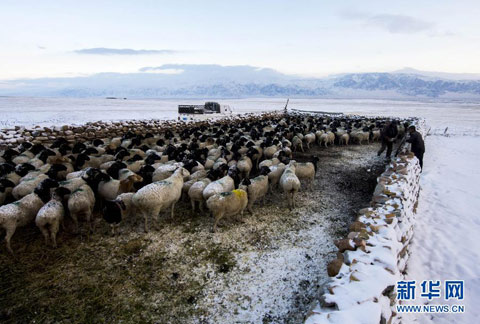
(266, 268)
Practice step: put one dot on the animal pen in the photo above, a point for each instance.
(269, 266)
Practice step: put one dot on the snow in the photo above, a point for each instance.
(372, 270)
(446, 246)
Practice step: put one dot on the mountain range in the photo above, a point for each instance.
(215, 81)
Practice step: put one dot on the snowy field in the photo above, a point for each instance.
(461, 117)
(445, 244)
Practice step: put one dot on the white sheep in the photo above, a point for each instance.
(309, 139)
(276, 172)
(23, 211)
(256, 189)
(290, 184)
(164, 171)
(73, 183)
(157, 196)
(297, 143)
(221, 185)
(344, 138)
(75, 174)
(270, 162)
(195, 193)
(111, 188)
(27, 185)
(376, 135)
(245, 165)
(80, 205)
(360, 137)
(51, 215)
(227, 204)
(270, 151)
(305, 171)
(129, 210)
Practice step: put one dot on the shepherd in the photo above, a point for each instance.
(388, 135)
(417, 144)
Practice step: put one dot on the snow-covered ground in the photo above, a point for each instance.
(445, 246)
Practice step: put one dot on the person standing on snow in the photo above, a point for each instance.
(417, 144)
(388, 135)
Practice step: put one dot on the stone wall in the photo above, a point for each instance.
(373, 257)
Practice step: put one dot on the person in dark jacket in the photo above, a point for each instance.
(388, 135)
(417, 144)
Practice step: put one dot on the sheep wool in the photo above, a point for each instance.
(155, 197)
(227, 204)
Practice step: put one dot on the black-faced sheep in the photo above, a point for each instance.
(256, 188)
(157, 196)
(23, 211)
(51, 215)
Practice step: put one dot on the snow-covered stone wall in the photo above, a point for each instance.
(373, 257)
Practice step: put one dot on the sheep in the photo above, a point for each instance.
(297, 143)
(331, 137)
(360, 136)
(256, 188)
(290, 184)
(75, 174)
(375, 135)
(110, 188)
(27, 185)
(318, 135)
(195, 193)
(309, 138)
(327, 138)
(276, 172)
(221, 185)
(113, 212)
(50, 216)
(269, 163)
(227, 204)
(270, 151)
(344, 138)
(73, 183)
(245, 165)
(124, 174)
(155, 197)
(23, 211)
(80, 205)
(164, 171)
(5, 189)
(306, 171)
(18, 173)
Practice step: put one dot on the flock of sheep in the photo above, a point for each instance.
(226, 166)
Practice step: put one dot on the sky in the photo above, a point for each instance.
(305, 37)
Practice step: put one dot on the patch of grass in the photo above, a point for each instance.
(223, 258)
(104, 281)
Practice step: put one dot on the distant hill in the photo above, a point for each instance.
(209, 81)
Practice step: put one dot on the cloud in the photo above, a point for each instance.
(400, 24)
(160, 69)
(395, 24)
(122, 51)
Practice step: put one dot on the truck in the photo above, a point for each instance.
(194, 112)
